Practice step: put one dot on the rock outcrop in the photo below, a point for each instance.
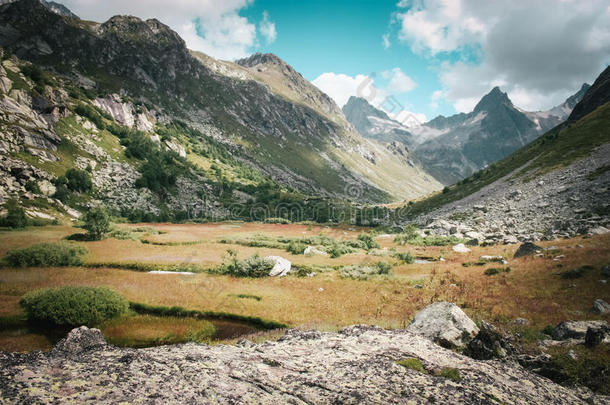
(358, 365)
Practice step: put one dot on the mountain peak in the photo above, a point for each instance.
(261, 59)
(492, 100)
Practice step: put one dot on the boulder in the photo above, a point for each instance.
(488, 344)
(575, 329)
(312, 251)
(606, 271)
(598, 230)
(461, 248)
(281, 268)
(596, 335)
(80, 340)
(601, 307)
(527, 249)
(444, 323)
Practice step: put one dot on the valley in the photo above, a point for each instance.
(188, 229)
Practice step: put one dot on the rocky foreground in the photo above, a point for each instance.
(356, 365)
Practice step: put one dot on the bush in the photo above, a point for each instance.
(296, 248)
(79, 180)
(47, 255)
(73, 306)
(254, 266)
(97, 223)
(384, 267)
(368, 241)
(406, 258)
(364, 272)
(277, 221)
(15, 218)
(496, 270)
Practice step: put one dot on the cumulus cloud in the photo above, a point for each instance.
(340, 87)
(267, 28)
(399, 82)
(540, 52)
(209, 26)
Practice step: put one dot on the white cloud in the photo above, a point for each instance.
(385, 41)
(340, 87)
(540, 52)
(399, 82)
(209, 26)
(267, 28)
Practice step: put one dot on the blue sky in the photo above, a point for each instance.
(440, 56)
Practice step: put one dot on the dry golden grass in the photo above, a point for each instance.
(532, 289)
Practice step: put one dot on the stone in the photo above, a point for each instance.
(79, 340)
(521, 321)
(596, 335)
(575, 329)
(357, 365)
(312, 251)
(527, 249)
(281, 267)
(444, 323)
(601, 307)
(461, 248)
(488, 344)
(472, 242)
(606, 271)
(598, 230)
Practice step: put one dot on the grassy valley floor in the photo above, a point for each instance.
(532, 289)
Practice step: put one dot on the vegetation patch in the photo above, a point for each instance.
(496, 270)
(147, 267)
(406, 258)
(412, 236)
(47, 255)
(576, 273)
(247, 296)
(451, 374)
(73, 306)
(147, 330)
(210, 315)
(358, 272)
(254, 266)
(413, 364)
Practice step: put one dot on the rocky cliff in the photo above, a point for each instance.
(357, 365)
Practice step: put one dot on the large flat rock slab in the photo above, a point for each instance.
(355, 366)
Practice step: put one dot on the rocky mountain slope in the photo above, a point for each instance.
(455, 147)
(357, 365)
(95, 93)
(557, 186)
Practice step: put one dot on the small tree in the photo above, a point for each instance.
(15, 217)
(97, 223)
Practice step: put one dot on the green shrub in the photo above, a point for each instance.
(254, 266)
(496, 270)
(413, 364)
(97, 223)
(90, 113)
(296, 248)
(79, 180)
(338, 250)
(73, 306)
(47, 255)
(406, 258)
(368, 240)
(15, 217)
(548, 330)
(384, 267)
(451, 373)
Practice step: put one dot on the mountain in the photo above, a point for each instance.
(373, 123)
(162, 128)
(57, 8)
(556, 186)
(452, 148)
(596, 96)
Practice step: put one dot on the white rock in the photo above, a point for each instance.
(281, 268)
(461, 248)
(444, 323)
(312, 251)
